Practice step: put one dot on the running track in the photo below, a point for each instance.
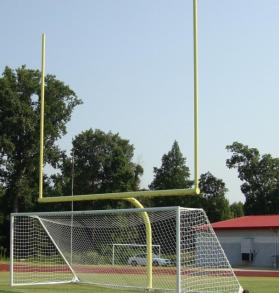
(239, 272)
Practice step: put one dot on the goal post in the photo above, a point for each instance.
(75, 247)
(191, 260)
(121, 195)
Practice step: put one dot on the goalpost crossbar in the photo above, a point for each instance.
(119, 195)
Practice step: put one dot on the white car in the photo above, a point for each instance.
(140, 259)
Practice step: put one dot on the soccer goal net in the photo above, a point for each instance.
(123, 253)
(61, 247)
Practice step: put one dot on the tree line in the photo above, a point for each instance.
(103, 162)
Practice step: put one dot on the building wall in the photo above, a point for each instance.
(265, 246)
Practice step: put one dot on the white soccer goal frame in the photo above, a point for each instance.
(179, 266)
(75, 278)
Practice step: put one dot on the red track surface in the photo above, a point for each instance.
(136, 270)
(86, 269)
(256, 273)
(4, 267)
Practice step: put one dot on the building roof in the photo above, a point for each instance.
(249, 222)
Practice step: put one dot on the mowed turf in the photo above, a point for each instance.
(259, 284)
(76, 288)
(253, 284)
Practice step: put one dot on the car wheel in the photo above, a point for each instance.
(134, 263)
(155, 263)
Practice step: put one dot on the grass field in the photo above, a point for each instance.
(253, 284)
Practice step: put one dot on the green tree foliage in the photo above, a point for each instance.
(2, 216)
(19, 137)
(173, 174)
(260, 176)
(213, 199)
(102, 164)
(237, 209)
(19, 129)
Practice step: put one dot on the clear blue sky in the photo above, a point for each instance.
(131, 63)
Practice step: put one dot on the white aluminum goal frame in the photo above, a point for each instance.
(42, 251)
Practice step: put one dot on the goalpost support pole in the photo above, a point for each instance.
(148, 233)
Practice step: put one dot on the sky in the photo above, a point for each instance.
(131, 62)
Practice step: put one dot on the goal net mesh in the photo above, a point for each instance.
(61, 247)
(133, 254)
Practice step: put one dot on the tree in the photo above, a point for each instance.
(102, 164)
(237, 209)
(19, 128)
(173, 174)
(2, 217)
(213, 199)
(260, 175)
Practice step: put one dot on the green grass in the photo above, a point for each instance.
(253, 284)
(259, 284)
(5, 288)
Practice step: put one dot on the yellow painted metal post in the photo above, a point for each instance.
(124, 195)
(196, 98)
(148, 232)
(118, 195)
(42, 106)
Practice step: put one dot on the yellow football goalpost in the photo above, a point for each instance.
(129, 196)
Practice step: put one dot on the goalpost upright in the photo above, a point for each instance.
(42, 117)
(134, 194)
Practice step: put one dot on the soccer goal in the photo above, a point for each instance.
(76, 247)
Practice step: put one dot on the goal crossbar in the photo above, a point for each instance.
(101, 212)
